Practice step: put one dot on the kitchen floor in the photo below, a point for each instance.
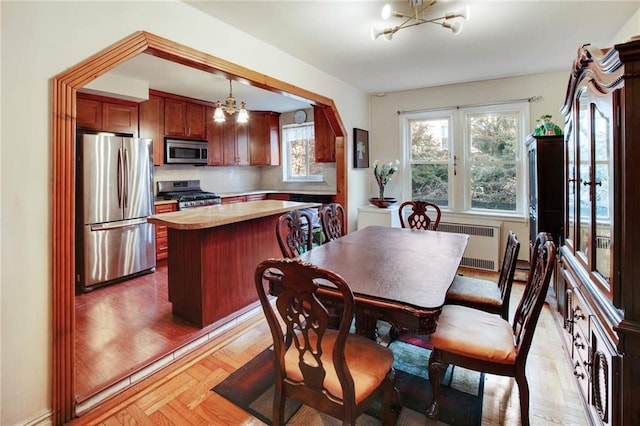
(124, 327)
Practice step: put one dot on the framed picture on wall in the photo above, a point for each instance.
(360, 149)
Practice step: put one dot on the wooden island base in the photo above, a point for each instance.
(211, 270)
(213, 254)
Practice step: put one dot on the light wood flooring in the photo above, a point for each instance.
(180, 393)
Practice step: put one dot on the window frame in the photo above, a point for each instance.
(286, 155)
(459, 184)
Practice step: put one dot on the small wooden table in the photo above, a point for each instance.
(396, 275)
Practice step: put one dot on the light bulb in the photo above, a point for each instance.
(386, 11)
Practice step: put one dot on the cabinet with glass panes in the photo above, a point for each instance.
(599, 267)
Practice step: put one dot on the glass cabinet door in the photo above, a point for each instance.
(602, 185)
(583, 202)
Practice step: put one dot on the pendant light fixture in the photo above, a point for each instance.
(418, 18)
(230, 108)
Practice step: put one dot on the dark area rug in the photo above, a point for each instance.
(251, 387)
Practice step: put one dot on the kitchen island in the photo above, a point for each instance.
(213, 255)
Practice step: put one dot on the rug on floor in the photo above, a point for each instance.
(251, 388)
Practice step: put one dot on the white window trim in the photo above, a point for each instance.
(460, 198)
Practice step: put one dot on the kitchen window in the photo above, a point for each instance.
(299, 153)
(467, 159)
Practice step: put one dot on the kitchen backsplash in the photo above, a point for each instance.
(242, 178)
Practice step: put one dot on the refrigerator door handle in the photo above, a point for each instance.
(125, 183)
(115, 225)
(119, 178)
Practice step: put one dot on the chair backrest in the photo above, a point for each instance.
(508, 270)
(419, 215)
(294, 231)
(332, 219)
(295, 284)
(535, 292)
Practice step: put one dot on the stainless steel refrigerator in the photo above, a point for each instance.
(115, 187)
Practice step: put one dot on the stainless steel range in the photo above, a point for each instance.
(188, 194)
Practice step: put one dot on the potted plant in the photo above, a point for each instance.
(383, 174)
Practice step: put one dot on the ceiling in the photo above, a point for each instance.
(500, 39)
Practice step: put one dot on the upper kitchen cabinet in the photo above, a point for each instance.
(106, 114)
(325, 137)
(214, 137)
(184, 119)
(235, 143)
(152, 125)
(264, 138)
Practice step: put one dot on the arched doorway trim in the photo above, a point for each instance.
(65, 86)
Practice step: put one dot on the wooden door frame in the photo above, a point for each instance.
(65, 86)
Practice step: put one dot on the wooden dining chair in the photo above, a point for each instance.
(294, 231)
(333, 371)
(485, 342)
(487, 295)
(332, 220)
(420, 215)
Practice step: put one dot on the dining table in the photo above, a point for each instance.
(397, 275)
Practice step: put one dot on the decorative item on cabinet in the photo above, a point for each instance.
(600, 252)
(325, 137)
(100, 113)
(184, 119)
(152, 125)
(162, 239)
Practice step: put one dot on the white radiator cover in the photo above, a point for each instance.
(483, 249)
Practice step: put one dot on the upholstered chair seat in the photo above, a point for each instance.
(368, 363)
(475, 334)
(484, 294)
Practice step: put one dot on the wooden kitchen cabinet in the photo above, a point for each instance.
(214, 137)
(264, 138)
(255, 197)
(106, 114)
(235, 143)
(234, 199)
(184, 119)
(279, 196)
(162, 240)
(324, 136)
(152, 125)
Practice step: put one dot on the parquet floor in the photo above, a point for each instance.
(180, 394)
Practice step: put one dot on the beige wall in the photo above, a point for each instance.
(40, 40)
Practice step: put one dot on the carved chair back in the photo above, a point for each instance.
(332, 219)
(310, 359)
(295, 233)
(420, 215)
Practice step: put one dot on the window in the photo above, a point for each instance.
(467, 159)
(299, 153)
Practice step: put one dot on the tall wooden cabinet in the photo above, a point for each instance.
(599, 268)
(546, 185)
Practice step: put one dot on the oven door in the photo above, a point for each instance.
(185, 152)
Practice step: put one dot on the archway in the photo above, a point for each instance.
(65, 86)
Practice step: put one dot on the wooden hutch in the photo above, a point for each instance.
(599, 266)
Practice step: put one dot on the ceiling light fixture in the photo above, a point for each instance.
(418, 18)
(230, 108)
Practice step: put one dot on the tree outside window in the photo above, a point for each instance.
(468, 159)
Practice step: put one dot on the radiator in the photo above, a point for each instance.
(483, 249)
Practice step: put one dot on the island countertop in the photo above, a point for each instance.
(225, 214)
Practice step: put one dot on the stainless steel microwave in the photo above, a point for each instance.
(178, 151)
